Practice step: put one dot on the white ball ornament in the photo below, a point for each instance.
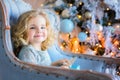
(88, 14)
(66, 13)
(99, 27)
(58, 3)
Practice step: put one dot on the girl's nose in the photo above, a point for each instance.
(39, 30)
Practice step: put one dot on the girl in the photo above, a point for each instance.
(32, 35)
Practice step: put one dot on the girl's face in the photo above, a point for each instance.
(37, 31)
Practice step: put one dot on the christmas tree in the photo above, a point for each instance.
(89, 26)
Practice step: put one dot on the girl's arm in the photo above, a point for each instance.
(27, 56)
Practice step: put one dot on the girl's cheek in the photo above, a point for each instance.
(31, 34)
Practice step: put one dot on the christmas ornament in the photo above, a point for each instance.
(65, 13)
(66, 26)
(82, 36)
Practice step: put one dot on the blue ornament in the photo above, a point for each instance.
(66, 26)
(82, 36)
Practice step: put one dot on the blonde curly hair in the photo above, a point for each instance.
(19, 31)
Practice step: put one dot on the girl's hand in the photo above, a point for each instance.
(64, 63)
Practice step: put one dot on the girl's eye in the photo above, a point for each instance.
(43, 27)
(32, 27)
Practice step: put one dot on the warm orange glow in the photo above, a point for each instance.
(95, 51)
(57, 13)
(118, 26)
(77, 50)
(97, 44)
(72, 44)
(119, 48)
(116, 43)
(75, 45)
(62, 47)
(112, 54)
(64, 44)
(100, 45)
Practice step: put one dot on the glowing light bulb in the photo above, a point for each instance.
(116, 43)
(57, 12)
(97, 44)
(119, 48)
(42, 5)
(109, 23)
(112, 54)
(79, 16)
(117, 26)
(108, 9)
(86, 32)
(70, 5)
(80, 3)
(95, 51)
(100, 45)
(61, 47)
(77, 50)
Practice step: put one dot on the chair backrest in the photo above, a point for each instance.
(15, 8)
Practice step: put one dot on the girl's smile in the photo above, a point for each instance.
(40, 35)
